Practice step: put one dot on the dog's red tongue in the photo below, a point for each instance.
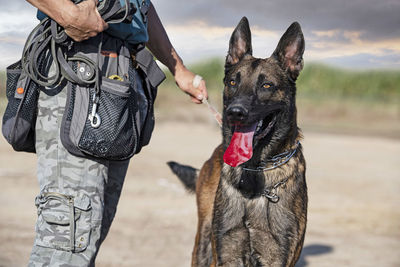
(240, 148)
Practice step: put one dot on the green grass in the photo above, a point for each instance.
(323, 81)
(319, 81)
(328, 99)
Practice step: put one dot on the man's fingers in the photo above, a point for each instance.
(196, 93)
(91, 2)
(195, 100)
(88, 22)
(105, 25)
(200, 85)
(91, 34)
(203, 89)
(73, 36)
(88, 4)
(102, 25)
(192, 84)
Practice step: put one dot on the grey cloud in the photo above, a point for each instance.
(366, 61)
(14, 6)
(376, 19)
(13, 37)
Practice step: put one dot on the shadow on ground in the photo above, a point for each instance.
(312, 250)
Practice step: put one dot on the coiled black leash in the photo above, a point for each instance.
(50, 38)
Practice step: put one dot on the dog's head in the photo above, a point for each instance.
(259, 93)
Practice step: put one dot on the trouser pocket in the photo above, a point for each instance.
(64, 221)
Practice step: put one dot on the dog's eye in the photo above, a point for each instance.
(232, 83)
(266, 85)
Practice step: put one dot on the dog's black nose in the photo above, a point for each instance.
(236, 113)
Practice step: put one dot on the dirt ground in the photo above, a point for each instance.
(353, 181)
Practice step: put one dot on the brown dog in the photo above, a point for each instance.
(254, 214)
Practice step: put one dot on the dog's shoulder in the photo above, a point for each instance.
(211, 171)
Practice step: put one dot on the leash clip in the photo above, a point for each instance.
(271, 195)
(94, 117)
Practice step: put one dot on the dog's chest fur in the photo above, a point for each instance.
(261, 220)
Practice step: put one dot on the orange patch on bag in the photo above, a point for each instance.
(109, 54)
(20, 90)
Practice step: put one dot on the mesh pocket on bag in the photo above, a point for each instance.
(116, 138)
(29, 105)
(20, 115)
(13, 74)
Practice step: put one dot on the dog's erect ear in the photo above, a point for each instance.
(240, 42)
(290, 49)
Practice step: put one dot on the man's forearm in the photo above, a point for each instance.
(162, 48)
(159, 43)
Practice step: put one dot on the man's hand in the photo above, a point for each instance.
(184, 80)
(83, 21)
(80, 21)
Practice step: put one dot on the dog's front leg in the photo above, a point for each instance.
(231, 238)
(202, 254)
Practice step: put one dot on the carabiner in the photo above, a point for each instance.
(94, 117)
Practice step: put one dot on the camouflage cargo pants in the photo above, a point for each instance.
(78, 197)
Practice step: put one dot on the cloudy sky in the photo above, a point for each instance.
(347, 33)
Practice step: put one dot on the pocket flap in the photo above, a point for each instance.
(56, 208)
(120, 88)
(82, 202)
(152, 71)
(55, 211)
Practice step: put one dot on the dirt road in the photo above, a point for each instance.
(354, 215)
